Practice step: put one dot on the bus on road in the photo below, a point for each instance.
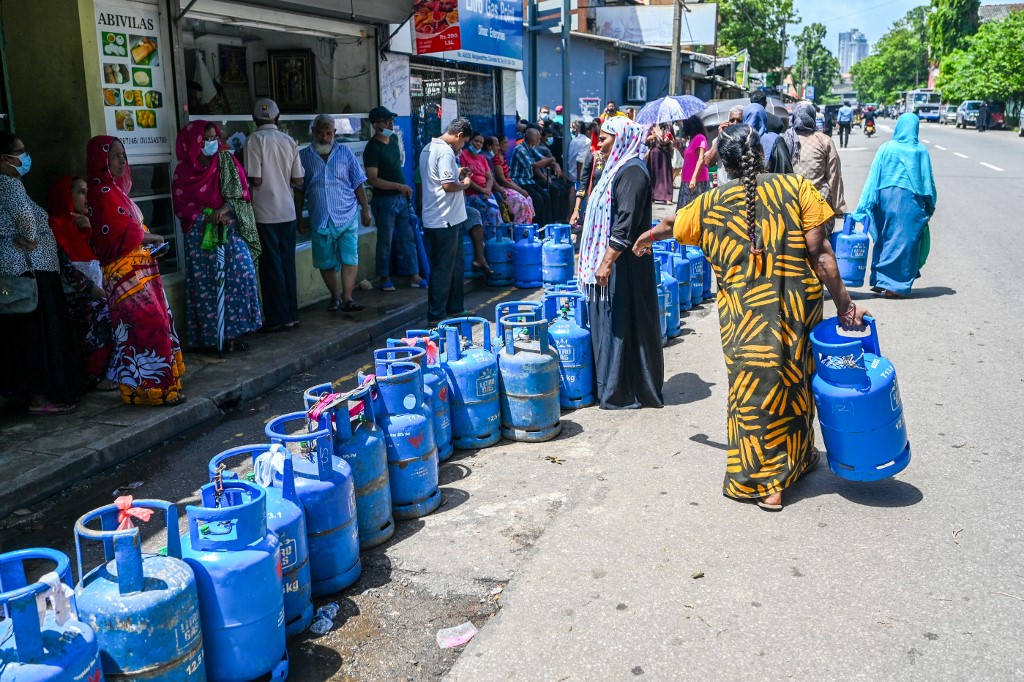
(924, 102)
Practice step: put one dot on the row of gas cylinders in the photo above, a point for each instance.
(519, 257)
(684, 281)
(332, 479)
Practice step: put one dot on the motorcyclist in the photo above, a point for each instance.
(869, 118)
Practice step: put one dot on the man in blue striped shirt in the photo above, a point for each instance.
(333, 193)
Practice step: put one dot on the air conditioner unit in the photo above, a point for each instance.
(636, 89)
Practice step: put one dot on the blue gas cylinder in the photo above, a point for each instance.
(435, 384)
(859, 404)
(498, 252)
(663, 313)
(359, 442)
(468, 255)
(526, 257)
(473, 377)
(325, 486)
(682, 272)
(156, 594)
(419, 357)
(51, 652)
(851, 247)
(399, 405)
(557, 264)
(696, 257)
(287, 518)
(530, 380)
(708, 274)
(571, 341)
(237, 563)
(511, 308)
(664, 260)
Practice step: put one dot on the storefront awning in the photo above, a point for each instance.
(365, 11)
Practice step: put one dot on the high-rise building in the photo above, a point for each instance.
(853, 47)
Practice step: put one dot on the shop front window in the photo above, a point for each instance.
(474, 92)
(151, 191)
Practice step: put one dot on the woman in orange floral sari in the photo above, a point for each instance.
(147, 355)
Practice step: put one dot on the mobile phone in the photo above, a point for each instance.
(160, 249)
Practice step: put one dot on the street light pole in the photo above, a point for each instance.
(673, 69)
(566, 82)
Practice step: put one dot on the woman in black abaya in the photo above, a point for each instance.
(620, 287)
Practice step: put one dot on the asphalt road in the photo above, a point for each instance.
(585, 547)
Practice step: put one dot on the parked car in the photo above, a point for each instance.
(967, 113)
(948, 114)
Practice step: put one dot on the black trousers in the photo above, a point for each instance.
(541, 203)
(445, 294)
(844, 133)
(277, 273)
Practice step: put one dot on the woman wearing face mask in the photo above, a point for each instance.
(480, 194)
(222, 244)
(517, 198)
(38, 363)
(146, 352)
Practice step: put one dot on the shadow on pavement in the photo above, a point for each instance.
(887, 493)
(702, 438)
(685, 388)
(931, 292)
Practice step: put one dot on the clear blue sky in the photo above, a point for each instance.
(872, 17)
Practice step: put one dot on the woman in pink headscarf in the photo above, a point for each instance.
(212, 201)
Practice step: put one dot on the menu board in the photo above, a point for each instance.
(436, 23)
(133, 58)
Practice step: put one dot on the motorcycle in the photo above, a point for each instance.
(869, 129)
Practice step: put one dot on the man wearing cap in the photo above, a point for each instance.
(333, 191)
(272, 164)
(391, 204)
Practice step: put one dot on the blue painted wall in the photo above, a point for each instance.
(588, 72)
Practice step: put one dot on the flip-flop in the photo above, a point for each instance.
(891, 294)
(769, 507)
(351, 306)
(422, 284)
(335, 305)
(52, 409)
(171, 403)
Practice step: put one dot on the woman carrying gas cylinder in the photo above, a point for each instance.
(899, 196)
(766, 237)
(620, 286)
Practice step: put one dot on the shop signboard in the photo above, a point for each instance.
(492, 33)
(437, 25)
(132, 79)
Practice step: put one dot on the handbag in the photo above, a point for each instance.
(18, 294)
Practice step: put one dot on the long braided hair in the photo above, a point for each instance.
(743, 157)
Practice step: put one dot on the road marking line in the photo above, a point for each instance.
(989, 165)
(926, 141)
(855, 149)
(939, 146)
(962, 156)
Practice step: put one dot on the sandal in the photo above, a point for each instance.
(422, 284)
(891, 294)
(485, 268)
(52, 409)
(177, 401)
(351, 306)
(335, 305)
(767, 506)
(106, 385)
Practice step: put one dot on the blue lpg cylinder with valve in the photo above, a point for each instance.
(55, 650)
(418, 355)
(435, 384)
(663, 313)
(679, 266)
(527, 257)
(404, 417)
(511, 308)
(557, 257)
(359, 442)
(859, 404)
(696, 257)
(498, 252)
(851, 248)
(530, 380)
(237, 563)
(287, 519)
(156, 594)
(473, 377)
(572, 344)
(324, 484)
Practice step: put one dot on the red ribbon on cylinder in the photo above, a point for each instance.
(126, 511)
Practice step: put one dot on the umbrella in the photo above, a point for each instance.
(668, 109)
(718, 112)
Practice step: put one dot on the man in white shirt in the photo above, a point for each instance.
(272, 164)
(444, 219)
(578, 150)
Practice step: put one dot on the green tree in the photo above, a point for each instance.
(757, 26)
(898, 62)
(950, 24)
(815, 64)
(990, 67)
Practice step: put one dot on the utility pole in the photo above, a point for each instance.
(782, 63)
(677, 27)
(566, 82)
(531, 54)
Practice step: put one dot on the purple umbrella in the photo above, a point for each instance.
(668, 109)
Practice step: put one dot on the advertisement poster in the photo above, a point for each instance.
(492, 33)
(133, 58)
(436, 24)
(652, 25)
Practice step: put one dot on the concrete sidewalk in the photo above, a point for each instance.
(42, 456)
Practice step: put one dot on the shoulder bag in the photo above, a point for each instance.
(19, 294)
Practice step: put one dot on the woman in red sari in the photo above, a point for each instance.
(147, 355)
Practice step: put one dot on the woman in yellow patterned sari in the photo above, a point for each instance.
(766, 237)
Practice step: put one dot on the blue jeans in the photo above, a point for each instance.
(391, 215)
(445, 295)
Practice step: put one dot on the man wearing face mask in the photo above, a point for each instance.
(337, 206)
(391, 201)
(529, 169)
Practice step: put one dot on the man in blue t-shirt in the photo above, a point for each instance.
(845, 121)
